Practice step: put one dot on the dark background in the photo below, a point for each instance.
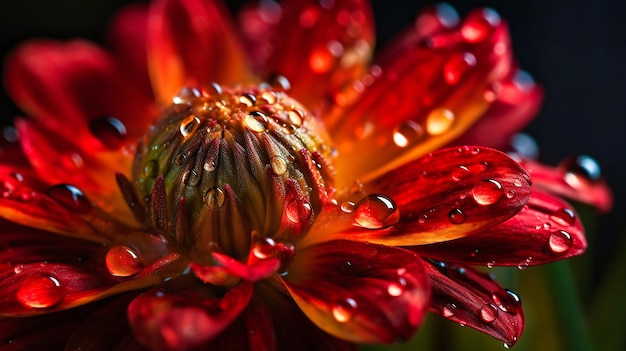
(575, 49)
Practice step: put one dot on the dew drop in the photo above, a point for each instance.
(71, 197)
(489, 313)
(376, 211)
(344, 310)
(581, 168)
(478, 25)
(457, 66)
(460, 173)
(278, 164)
(491, 264)
(41, 291)
(439, 121)
(487, 192)
(186, 95)
(18, 269)
(508, 301)
(279, 82)
(348, 207)
(256, 121)
(214, 198)
(456, 216)
(449, 310)
(189, 125)
(296, 117)
(298, 211)
(564, 216)
(247, 100)
(109, 130)
(397, 288)
(123, 261)
(407, 133)
(524, 263)
(12, 181)
(264, 248)
(560, 241)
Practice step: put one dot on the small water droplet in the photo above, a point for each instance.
(510, 194)
(564, 216)
(256, 121)
(376, 211)
(344, 310)
(397, 288)
(422, 219)
(489, 313)
(41, 290)
(214, 198)
(524, 263)
(457, 66)
(460, 173)
(523, 80)
(186, 95)
(487, 192)
(70, 197)
(296, 117)
(264, 248)
(278, 164)
(247, 100)
(517, 182)
(449, 310)
(18, 269)
(12, 181)
(72, 161)
(123, 261)
(479, 24)
(439, 121)
(279, 82)
(491, 264)
(348, 207)
(456, 216)
(109, 130)
(508, 301)
(298, 211)
(189, 125)
(407, 133)
(560, 241)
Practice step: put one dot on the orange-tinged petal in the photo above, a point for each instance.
(450, 193)
(358, 291)
(575, 178)
(473, 298)
(192, 42)
(545, 230)
(420, 101)
(320, 46)
(183, 320)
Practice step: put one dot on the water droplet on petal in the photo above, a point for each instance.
(582, 168)
(460, 173)
(189, 125)
(186, 95)
(524, 263)
(439, 121)
(12, 181)
(449, 310)
(564, 216)
(109, 130)
(560, 241)
(344, 310)
(256, 121)
(456, 216)
(478, 25)
(70, 197)
(214, 198)
(348, 207)
(41, 291)
(264, 248)
(376, 211)
(298, 211)
(489, 313)
(397, 288)
(487, 192)
(457, 66)
(407, 133)
(123, 261)
(278, 164)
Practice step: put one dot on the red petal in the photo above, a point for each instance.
(517, 101)
(358, 291)
(65, 85)
(472, 298)
(449, 194)
(183, 320)
(192, 42)
(321, 45)
(572, 181)
(294, 331)
(254, 272)
(421, 100)
(546, 230)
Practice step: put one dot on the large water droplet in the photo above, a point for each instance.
(456, 216)
(256, 121)
(580, 169)
(264, 248)
(189, 125)
(439, 121)
(407, 133)
(214, 198)
(487, 192)
(507, 301)
(344, 309)
(560, 241)
(123, 261)
(298, 211)
(376, 211)
(489, 313)
(457, 66)
(71, 197)
(41, 291)
(478, 25)
(109, 130)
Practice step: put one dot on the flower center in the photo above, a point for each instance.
(223, 169)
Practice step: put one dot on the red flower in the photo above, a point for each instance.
(323, 207)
